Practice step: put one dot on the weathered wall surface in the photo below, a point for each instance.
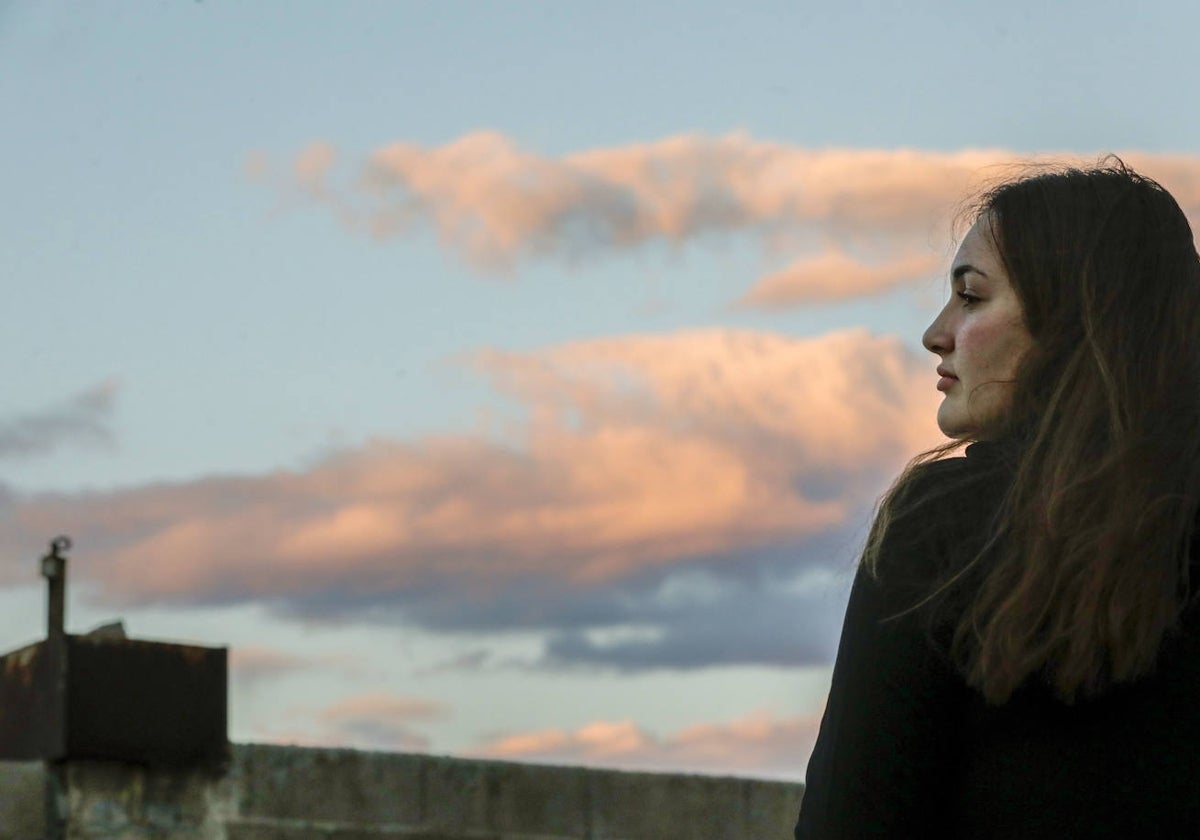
(288, 793)
(22, 792)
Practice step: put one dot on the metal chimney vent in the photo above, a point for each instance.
(103, 696)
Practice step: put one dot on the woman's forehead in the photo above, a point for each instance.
(978, 245)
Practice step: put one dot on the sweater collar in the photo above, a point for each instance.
(993, 450)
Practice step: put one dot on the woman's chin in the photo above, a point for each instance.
(951, 425)
(960, 431)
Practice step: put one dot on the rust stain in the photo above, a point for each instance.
(20, 664)
(195, 657)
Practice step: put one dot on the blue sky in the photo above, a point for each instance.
(568, 501)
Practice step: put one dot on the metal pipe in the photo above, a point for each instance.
(54, 569)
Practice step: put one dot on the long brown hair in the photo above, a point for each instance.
(1084, 568)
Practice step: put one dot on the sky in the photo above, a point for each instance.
(509, 380)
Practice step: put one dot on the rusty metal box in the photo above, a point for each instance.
(114, 699)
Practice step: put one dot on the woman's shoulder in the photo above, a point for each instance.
(956, 481)
(943, 510)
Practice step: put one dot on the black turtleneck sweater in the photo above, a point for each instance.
(908, 750)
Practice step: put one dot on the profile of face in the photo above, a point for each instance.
(980, 336)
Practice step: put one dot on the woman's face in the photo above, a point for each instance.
(980, 336)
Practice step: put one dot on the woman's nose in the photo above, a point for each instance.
(937, 338)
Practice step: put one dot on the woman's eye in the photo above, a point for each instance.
(968, 298)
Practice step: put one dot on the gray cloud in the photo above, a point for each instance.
(758, 622)
(82, 420)
(778, 606)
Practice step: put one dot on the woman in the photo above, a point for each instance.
(1020, 657)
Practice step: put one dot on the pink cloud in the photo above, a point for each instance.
(759, 744)
(253, 660)
(379, 721)
(833, 276)
(252, 664)
(843, 400)
(381, 705)
(640, 452)
(496, 203)
(376, 720)
(312, 165)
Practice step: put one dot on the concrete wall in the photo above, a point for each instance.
(288, 793)
(22, 796)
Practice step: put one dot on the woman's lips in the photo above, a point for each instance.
(947, 379)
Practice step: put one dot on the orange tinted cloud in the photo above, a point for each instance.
(757, 745)
(251, 664)
(381, 705)
(255, 662)
(845, 399)
(833, 276)
(640, 453)
(497, 203)
(313, 165)
(377, 720)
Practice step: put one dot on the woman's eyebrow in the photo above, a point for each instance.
(960, 270)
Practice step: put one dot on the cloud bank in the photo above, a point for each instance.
(729, 452)
(496, 203)
(855, 221)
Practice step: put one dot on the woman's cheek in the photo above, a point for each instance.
(992, 348)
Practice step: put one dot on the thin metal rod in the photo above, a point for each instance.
(54, 568)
